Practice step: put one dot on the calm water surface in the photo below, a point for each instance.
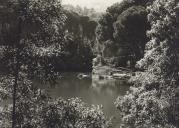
(98, 92)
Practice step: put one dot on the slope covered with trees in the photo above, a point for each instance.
(90, 12)
(79, 38)
(121, 33)
(152, 102)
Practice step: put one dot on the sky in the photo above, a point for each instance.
(98, 5)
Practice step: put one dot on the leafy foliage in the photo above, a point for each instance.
(153, 100)
(78, 43)
(32, 38)
(132, 23)
(34, 32)
(35, 109)
(121, 21)
(90, 12)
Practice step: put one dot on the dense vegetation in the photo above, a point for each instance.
(153, 100)
(79, 40)
(40, 38)
(90, 12)
(121, 33)
(35, 109)
(32, 39)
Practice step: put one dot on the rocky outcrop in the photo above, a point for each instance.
(107, 72)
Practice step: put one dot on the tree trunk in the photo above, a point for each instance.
(16, 74)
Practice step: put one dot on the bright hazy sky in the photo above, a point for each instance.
(98, 5)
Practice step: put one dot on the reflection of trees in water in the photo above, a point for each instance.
(69, 85)
(109, 86)
(69, 80)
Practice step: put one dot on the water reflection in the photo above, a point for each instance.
(92, 91)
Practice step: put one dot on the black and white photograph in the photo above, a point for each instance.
(89, 63)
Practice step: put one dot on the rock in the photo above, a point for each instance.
(82, 76)
(121, 76)
(108, 72)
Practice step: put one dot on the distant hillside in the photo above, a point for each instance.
(91, 13)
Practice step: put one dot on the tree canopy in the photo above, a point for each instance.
(125, 24)
(79, 40)
(153, 99)
(32, 36)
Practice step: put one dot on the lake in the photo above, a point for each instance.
(92, 91)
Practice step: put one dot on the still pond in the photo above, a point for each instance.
(92, 91)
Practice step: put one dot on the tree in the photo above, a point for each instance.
(90, 12)
(79, 42)
(112, 14)
(104, 30)
(153, 99)
(35, 109)
(121, 21)
(132, 23)
(31, 36)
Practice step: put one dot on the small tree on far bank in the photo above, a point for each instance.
(152, 101)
